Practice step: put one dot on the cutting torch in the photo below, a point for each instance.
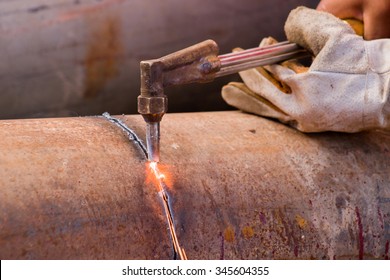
(198, 63)
(201, 63)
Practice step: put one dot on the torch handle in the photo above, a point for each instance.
(238, 61)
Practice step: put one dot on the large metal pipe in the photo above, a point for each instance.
(240, 187)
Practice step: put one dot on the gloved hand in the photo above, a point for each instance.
(346, 88)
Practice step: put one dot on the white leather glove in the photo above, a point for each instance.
(346, 88)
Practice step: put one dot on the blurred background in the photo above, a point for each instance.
(63, 58)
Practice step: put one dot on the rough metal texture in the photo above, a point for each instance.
(240, 186)
(69, 58)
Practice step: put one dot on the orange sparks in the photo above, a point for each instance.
(158, 175)
(156, 171)
(160, 178)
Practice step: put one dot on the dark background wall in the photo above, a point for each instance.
(75, 57)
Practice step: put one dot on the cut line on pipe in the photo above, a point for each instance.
(177, 249)
(168, 212)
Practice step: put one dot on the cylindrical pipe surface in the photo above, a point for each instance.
(240, 187)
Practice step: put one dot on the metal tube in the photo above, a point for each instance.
(251, 50)
(153, 141)
(256, 53)
(162, 190)
(238, 61)
(240, 187)
(257, 61)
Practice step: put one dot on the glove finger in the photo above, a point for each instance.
(240, 96)
(267, 41)
(295, 66)
(274, 77)
(267, 74)
(257, 83)
(260, 80)
(238, 49)
(280, 73)
(312, 29)
(285, 70)
(291, 64)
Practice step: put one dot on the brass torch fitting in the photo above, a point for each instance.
(197, 63)
(152, 103)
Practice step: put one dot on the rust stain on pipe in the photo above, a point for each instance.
(229, 234)
(75, 188)
(247, 232)
(103, 54)
(302, 223)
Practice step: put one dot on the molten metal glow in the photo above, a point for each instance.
(168, 214)
(156, 171)
(157, 176)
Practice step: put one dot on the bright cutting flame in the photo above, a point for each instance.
(156, 171)
(153, 167)
(158, 175)
(164, 195)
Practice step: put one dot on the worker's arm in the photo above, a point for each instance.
(374, 13)
(346, 88)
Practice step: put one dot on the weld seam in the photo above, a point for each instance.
(164, 195)
(130, 133)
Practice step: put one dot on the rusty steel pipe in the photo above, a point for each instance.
(240, 187)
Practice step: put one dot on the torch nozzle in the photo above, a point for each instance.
(153, 141)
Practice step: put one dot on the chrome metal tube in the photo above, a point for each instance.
(153, 141)
(239, 61)
(259, 61)
(262, 52)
